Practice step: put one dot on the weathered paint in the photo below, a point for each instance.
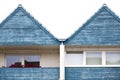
(102, 29)
(20, 28)
(92, 73)
(29, 73)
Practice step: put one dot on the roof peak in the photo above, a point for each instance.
(89, 36)
(104, 5)
(20, 29)
(20, 5)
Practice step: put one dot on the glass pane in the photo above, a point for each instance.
(13, 61)
(113, 58)
(32, 61)
(93, 58)
(74, 59)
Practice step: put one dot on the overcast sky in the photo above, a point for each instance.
(61, 17)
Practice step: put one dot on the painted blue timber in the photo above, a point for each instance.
(93, 73)
(102, 29)
(29, 73)
(20, 28)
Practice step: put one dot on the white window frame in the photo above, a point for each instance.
(112, 51)
(74, 53)
(103, 60)
(93, 51)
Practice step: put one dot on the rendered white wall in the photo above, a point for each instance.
(2, 59)
(49, 60)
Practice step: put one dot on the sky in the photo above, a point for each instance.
(60, 17)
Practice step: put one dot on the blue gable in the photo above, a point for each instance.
(102, 29)
(20, 28)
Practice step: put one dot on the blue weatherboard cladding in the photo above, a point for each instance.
(92, 73)
(20, 28)
(29, 73)
(102, 29)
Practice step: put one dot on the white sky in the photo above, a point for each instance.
(61, 17)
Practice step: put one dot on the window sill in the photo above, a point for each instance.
(92, 66)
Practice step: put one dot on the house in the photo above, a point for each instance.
(93, 51)
(28, 48)
(30, 52)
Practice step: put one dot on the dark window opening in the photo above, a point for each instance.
(32, 61)
(14, 61)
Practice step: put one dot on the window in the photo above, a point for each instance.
(113, 58)
(93, 58)
(32, 61)
(74, 58)
(27, 61)
(13, 61)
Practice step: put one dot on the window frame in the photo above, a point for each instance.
(22, 58)
(103, 57)
(82, 63)
(90, 53)
(113, 53)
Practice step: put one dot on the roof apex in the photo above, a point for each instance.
(20, 5)
(104, 5)
(102, 9)
(25, 21)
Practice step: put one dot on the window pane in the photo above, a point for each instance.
(74, 59)
(13, 61)
(113, 58)
(93, 58)
(32, 61)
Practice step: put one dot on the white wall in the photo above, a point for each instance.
(2, 62)
(50, 60)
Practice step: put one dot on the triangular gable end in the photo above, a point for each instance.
(102, 29)
(20, 28)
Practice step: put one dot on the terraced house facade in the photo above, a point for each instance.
(29, 52)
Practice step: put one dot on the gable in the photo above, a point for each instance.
(102, 29)
(22, 29)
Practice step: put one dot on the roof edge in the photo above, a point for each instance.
(20, 7)
(90, 19)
